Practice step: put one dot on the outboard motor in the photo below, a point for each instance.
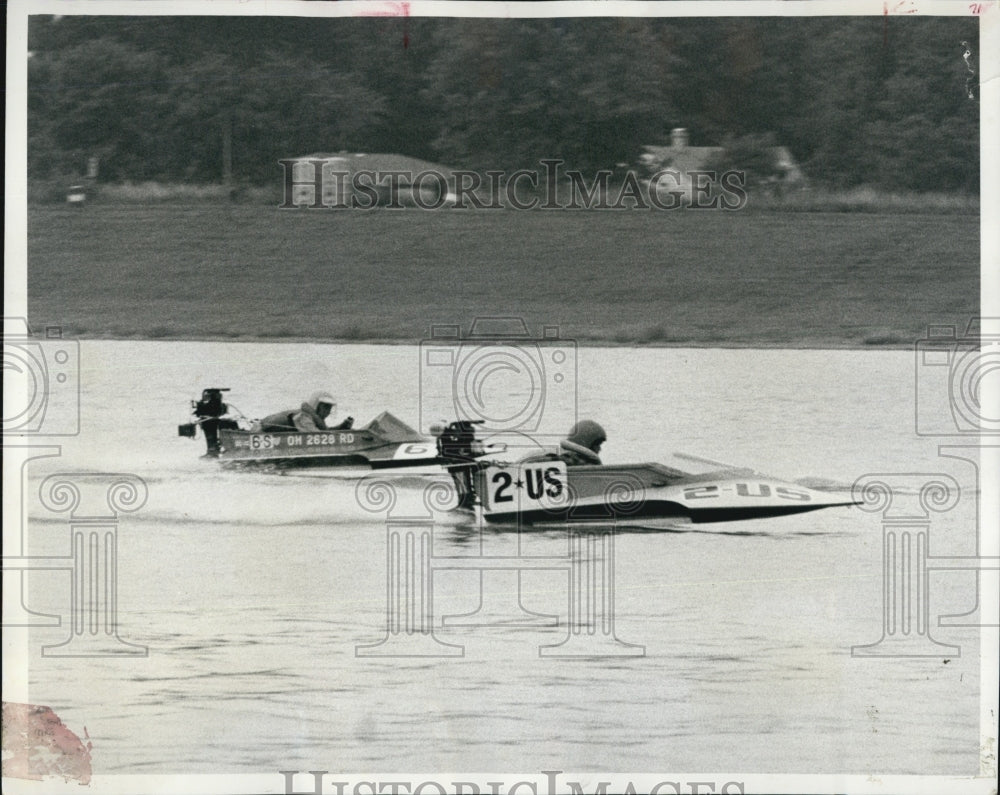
(458, 448)
(457, 441)
(208, 414)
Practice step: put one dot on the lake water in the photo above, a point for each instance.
(252, 592)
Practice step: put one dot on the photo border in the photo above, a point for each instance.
(15, 304)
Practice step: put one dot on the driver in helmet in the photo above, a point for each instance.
(582, 446)
(311, 416)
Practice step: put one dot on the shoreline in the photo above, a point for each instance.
(583, 343)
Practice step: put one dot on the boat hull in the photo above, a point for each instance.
(552, 493)
(384, 442)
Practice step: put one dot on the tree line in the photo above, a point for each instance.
(888, 102)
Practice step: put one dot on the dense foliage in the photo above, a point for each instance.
(872, 101)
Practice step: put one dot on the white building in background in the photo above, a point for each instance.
(419, 182)
(684, 159)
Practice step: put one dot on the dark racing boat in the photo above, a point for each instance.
(385, 442)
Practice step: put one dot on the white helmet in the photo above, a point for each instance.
(322, 397)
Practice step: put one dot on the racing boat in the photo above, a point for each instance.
(550, 492)
(384, 442)
(532, 492)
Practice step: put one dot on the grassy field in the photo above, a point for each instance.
(229, 271)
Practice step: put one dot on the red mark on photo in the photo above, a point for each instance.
(900, 7)
(37, 745)
(390, 10)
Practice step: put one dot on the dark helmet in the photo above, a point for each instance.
(587, 433)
